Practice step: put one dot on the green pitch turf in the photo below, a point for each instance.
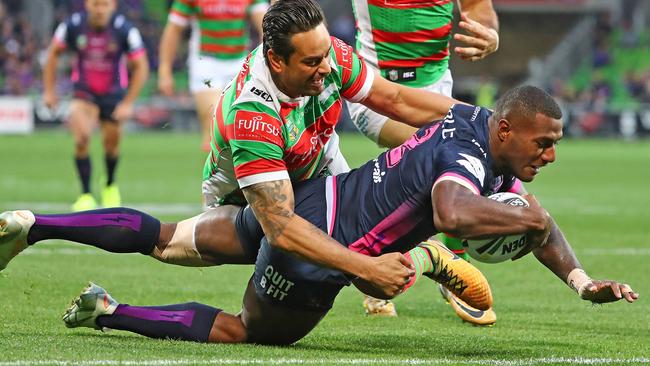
(597, 191)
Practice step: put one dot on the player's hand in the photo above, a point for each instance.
(50, 100)
(604, 291)
(479, 42)
(389, 274)
(537, 238)
(166, 84)
(122, 111)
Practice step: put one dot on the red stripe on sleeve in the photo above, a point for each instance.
(344, 58)
(356, 86)
(259, 166)
(401, 4)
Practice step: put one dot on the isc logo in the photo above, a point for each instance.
(262, 94)
(408, 74)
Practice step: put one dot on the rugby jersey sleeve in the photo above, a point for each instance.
(133, 43)
(257, 146)
(460, 161)
(181, 12)
(512, 184)
(63, 35)
(356, 77)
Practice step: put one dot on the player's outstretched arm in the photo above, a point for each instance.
(414, 107)
(461, 213)
(273, 205)
(558, 256)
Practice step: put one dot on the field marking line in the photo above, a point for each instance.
(150, 208)
(348, 361)
(69, 249)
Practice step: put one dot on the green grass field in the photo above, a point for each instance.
(597, 191)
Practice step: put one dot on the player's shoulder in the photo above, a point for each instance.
(121, 23)
(341, 52)
(256, 96)
(75, 20)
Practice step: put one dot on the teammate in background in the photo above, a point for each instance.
(435, 181)
(217, 48)
(409, 44)
(100, 38)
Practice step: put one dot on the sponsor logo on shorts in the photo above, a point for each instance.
(275, 284)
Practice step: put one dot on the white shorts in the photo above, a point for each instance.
(370, 123)
(210, 73)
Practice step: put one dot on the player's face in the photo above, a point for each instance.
(305, 71)
(531, 145)
(100, 11)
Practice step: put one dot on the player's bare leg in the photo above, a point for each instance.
(82, 120)
(205, 101)
(111, 137)
(205, 240)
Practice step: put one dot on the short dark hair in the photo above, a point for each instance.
(286, 18)
(526, 100)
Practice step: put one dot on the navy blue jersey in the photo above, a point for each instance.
(385, 205)
(100, 67)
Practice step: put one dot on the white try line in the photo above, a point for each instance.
(344, 361)
(79, 249)
(150, 208)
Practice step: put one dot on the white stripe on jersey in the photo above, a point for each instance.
(330, 199)
(134, 40)
(262, 177)
(60, 33)
(367, 48)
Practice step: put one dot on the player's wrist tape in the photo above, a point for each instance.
(577, 279)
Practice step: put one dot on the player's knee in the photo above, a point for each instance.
(228, 329)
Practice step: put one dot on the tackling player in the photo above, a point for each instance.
(434, 182)
(274, 124)
(408, 43)
(100, 38)
(217, 48)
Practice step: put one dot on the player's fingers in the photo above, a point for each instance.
(628, 293)
(474, 27)
(476, 42)
(406, 262)
(467, 52)
(616, 290)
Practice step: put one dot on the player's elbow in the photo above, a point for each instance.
(449, 222)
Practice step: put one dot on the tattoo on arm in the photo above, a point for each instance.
(272, 203)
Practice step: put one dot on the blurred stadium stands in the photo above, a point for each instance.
(593, 55)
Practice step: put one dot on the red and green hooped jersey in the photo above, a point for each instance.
(264, 135)
(401, 36)
(222, 23)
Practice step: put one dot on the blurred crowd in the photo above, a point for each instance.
(22, 50)
(614, 79)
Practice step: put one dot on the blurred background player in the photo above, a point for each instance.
(100, 38)
(217, 48)
(409, 44)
